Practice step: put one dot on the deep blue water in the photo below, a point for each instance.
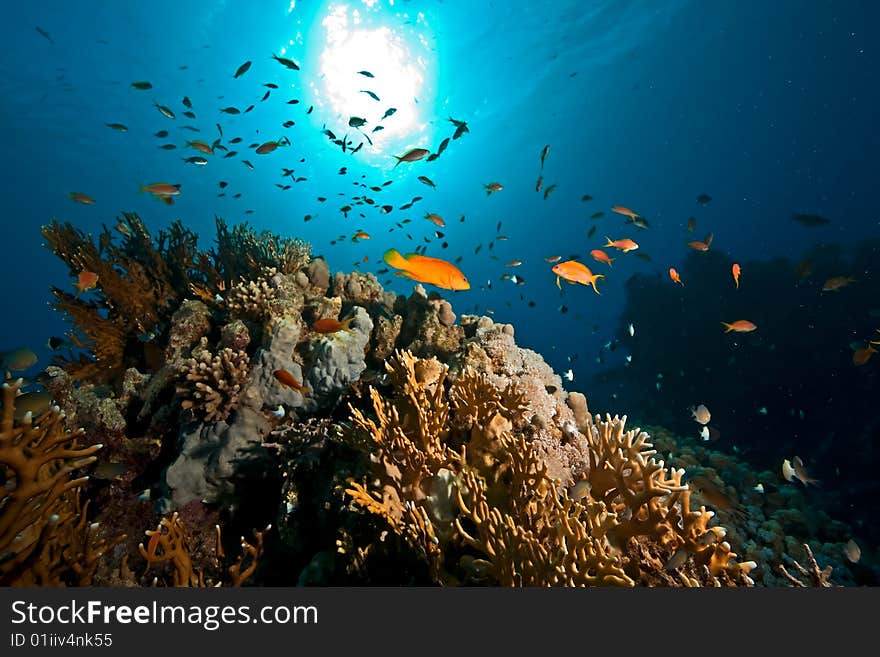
(768, 107)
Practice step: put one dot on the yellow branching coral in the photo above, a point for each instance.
(456, 479)
(170, 544)
(214, 382)
(44, 535)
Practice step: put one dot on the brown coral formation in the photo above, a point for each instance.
(469, 493)
(170, 544)
(45, 537)
(252, 298)
(214, 382)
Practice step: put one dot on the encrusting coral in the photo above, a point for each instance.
(477, 501)
(45, 537)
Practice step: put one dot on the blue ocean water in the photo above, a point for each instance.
(767, 107)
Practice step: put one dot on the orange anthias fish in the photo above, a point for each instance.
(834, 284)
(285, 378)
(862, 356)
(626, 212)
(161, 189)
(576, 272)
(79, 197)
(360, 235)
(86, 281)
(435, 219)
(202, 147)
(702, 246)
(626, 245)
(493, 187)
(735, 270)
(673, 274)
(740, 326)
(600, 256)
(423, 269)
(330, 325)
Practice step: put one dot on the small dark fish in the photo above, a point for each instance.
(356, 122)
(231, 110)
(643, 256)
(190, 127)
(231, 154)
(117, 126)
(219, 129)
(161, 134)
(143, 85)
(223, 184)
(549, 190)
(703, 199)
(293, 102)
(442, 147)
(288, 124)
(45, 34)
(187, 102)
(242, 69)
(370, 94)
(168, 147)
(249, 108)
(596, 215)
(235, 140)
(196, 159)
(366, 74)
(189, 115)
(388, 112)
(271, 85)
(265, 96)
(248, 164)
(586, 197)
(289, 63)
(309, 111)
(378, 128)
(431, 157)
(811, 220)
(592, 231)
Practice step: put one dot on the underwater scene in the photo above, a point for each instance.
(451, 292)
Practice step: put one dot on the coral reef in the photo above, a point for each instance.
(411, 446)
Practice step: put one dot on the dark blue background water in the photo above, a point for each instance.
(768, 107)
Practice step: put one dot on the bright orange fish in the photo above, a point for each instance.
(862, 356)
(626, 245)
(674, 276)
(740, 326)
(423, 269)
(600, 256)
(285, 378)
(202, 147)
(576, 272)
(161, 189)
(626, 212)
(435, 218)
(360, 235)
(493, 187)
(86, 281)
(330, 325)
(834, 284)
(79, 197)
(702, 246)
(736, 270)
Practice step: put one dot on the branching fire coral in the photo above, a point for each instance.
(214, 382)
(169, 543)
(456, 480)
(45, 538)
